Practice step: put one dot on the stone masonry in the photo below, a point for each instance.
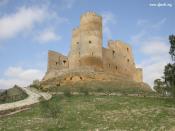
(88, 59)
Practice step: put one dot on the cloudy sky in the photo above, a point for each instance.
(29, 28)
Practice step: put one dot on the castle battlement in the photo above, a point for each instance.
(87, 52)
(75, 31)
(90, 14)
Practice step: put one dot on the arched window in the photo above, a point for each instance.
(128, 60)
(90, 42)
(116, 67)
(127, 49)
(77, 43)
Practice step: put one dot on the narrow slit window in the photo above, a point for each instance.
(113, 53)
(70, 78)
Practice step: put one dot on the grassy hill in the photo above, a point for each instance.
(116, 86)
(82, 113)
(12, 94)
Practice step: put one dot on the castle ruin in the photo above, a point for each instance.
(88, 59)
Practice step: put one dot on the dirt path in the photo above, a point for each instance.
(33, 98)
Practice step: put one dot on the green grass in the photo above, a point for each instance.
(102, 87)
(83, 113)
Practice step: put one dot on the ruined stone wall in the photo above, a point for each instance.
(87, 52)
(57, 61)
(118, 58)
(74, 54)
(91, 40)
(138, 75)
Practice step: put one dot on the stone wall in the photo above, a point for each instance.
(86, 52)
(138, 75)
(74, 54)
(57, 61)
(118, 58)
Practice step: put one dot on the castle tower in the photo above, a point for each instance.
(91, 40)
(74, 54)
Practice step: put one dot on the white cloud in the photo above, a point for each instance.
(20, 21)
(108, 18)
(47, 36)
(155, 47)
(142, 22)
(19, 76)
(156, 57)
(154, 50)
(159, 24)
(153, 68)
(136, 39)
(147, 25)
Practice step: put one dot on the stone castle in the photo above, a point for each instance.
(88, 59)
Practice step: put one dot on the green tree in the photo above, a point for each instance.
(169, 71)
(172, 47)
(160, 87)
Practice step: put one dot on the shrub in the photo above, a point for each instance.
(67, 92)
(85, 91)
(50, 109)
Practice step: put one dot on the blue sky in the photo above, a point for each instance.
(29, 28)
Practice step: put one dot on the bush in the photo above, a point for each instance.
(67, 92)
(50, 109)
(85, 91)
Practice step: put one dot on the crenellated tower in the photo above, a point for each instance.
(91, 40)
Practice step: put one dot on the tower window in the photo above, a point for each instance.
(92, 53)
(90, 42)
(71, 78)
(127, 49)
(113, 53)
(128, 60)
(116, 67)
(56, 63)
(109, 65)
(64, 61)
(77, 43)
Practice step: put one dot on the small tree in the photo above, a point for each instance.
(169, 71)
(160, 87)
(172, 47)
